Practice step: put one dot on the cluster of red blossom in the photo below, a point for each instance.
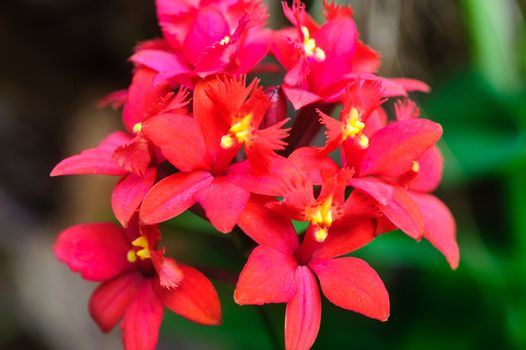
(200, 137)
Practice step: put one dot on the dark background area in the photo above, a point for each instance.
(59, 56)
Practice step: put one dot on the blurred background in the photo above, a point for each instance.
(59, 56)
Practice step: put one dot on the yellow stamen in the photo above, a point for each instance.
(320, 235)
(322, 215)
(310, 47)
(416, 166)
(353, 125)
(141, 242)
(225, 40)
(226, 141)
(363, 142)
(137, 128)
(239, 131)
(131, 256)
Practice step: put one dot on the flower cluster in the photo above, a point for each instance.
(200, 136)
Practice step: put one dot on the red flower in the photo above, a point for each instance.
(280, 270)
(319, 60)
(227, 115)
(129, 155)
(137, 281)
(400, 166)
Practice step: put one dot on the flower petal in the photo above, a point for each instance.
(352, 284)
(208, 27)
(111, 299)
(206, 114)
(142, 320)
(223, 203)
(395, 203)
(345, 238)
(440, 228)
(161, 61)
(128, 194)
(431, 165)
(266, 228)
(195, 298)
(393, 149)
(142, 94)
(242, 175)
(303, 313)
(173, 195)
(134, 156)
(299, 97)
(97, 251)
(269, 276)
(95, 161)
(180, 139)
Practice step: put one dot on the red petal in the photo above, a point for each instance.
(283, 47)
(352, 284)
(173, 195)
(97, 251)
(180, 139)
(168, 271)
(111, 299)
(440, 228)
(206, 114)
(411, 84)
(134, 156)
(223, 203)
(431, 166)
(380, 191)
(241, 174)
(266, 228)
(95, 161)
(333, 10)
(128, 194)
(269, 276)
(303, 313)
(398, 207)
(406, 109)
(313, 163)
(346, 237)
(365, 59)
(333, 133)
(393, 149)
(195, 298)
(142, 320)
(260, 152)
(115, 99)
(142, 95)
(299, 97)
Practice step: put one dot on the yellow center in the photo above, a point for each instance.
(310, 47)
(137, 128)
(416, 166)
(321, 217)
(143, 254)
(238, 132)
(353, 127)
(225, 40)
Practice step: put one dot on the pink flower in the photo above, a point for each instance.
(202, 38)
